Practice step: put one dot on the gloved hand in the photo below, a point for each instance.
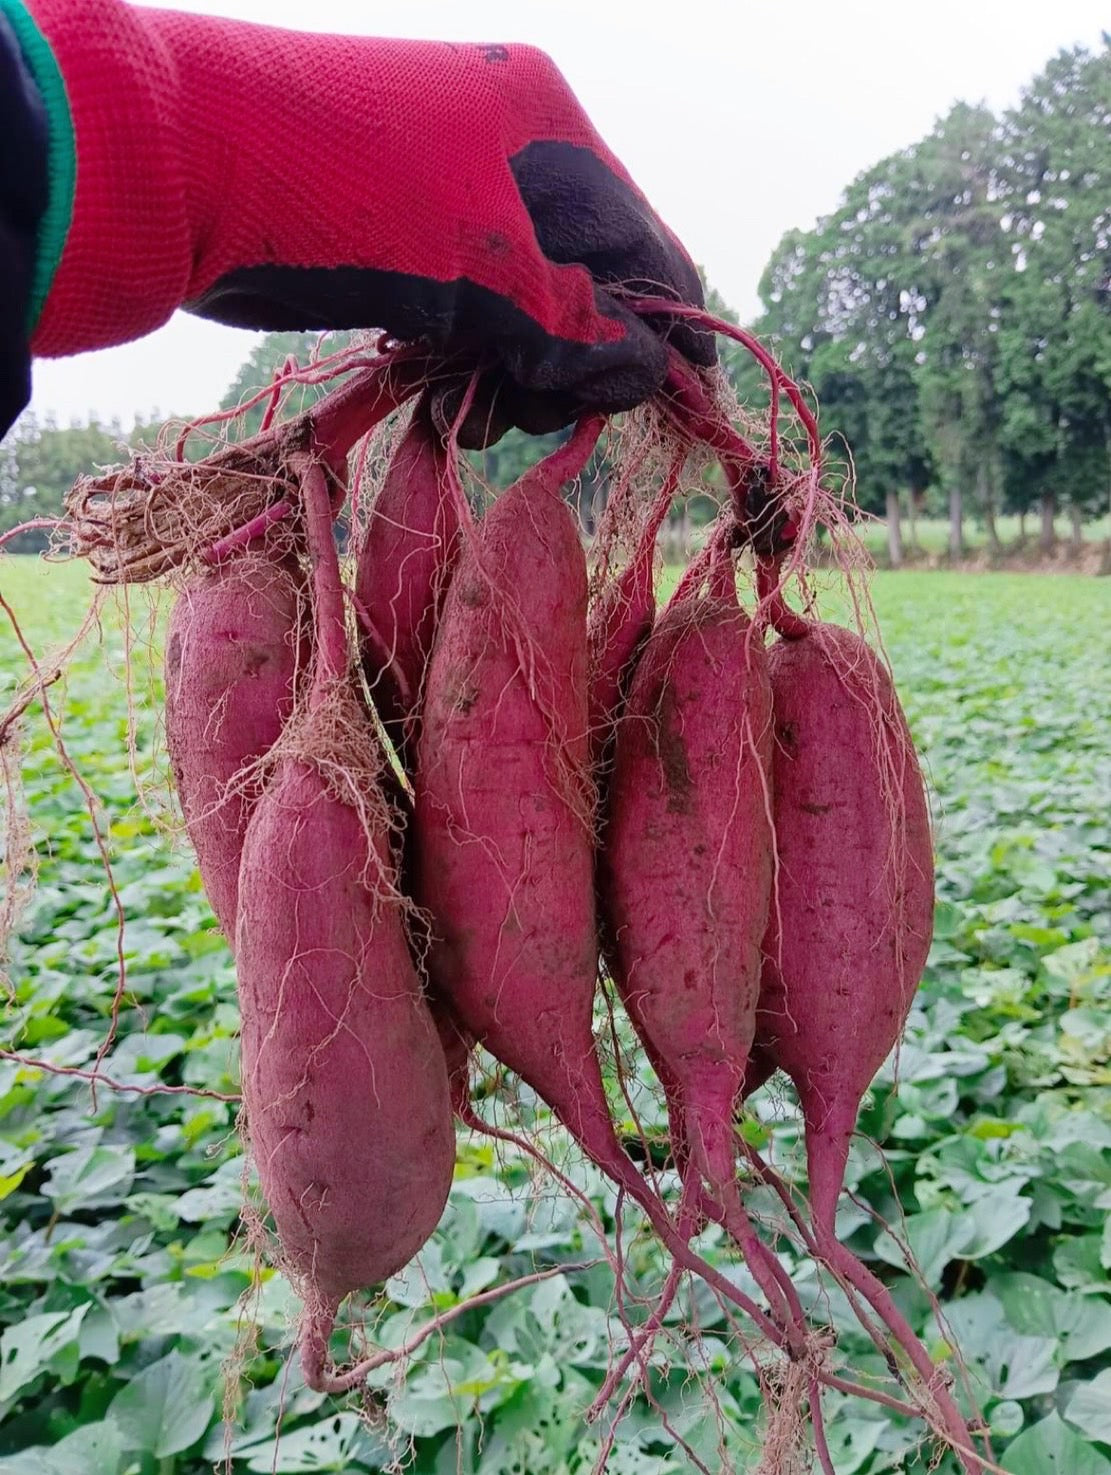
(451, 193)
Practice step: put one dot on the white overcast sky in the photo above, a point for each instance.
(738, 119)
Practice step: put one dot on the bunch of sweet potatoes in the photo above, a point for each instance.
(426, 810)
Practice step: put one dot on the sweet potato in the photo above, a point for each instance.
(344, 1080)
(345, 1084)
(502, 822)
(234, 649)
(849, 931)
(402, 573)
(690, 780)
(687, 872)
(853, 915)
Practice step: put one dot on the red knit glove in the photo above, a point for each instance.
(274, 179)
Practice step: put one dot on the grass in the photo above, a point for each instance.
(49, 597)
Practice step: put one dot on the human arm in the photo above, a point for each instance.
(453, 194)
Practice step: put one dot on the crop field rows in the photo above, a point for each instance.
(129, 1304)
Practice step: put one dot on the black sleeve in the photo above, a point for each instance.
(24, 190)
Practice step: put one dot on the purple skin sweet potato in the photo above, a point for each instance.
(849, 929)
(689, 780)
(502, 821)
(344, 1078)
(617, 627)
(234, 651)
(851, 924)
(403, 570)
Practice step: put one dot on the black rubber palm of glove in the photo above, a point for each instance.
(583, 213)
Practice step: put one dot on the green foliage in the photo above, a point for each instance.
(266, 362)
(952, 313)
(500, 465)
(126, 1287)
(1055, 337)
(836, 303)
(40, 461)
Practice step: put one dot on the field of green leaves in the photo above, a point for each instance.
(138, 1335)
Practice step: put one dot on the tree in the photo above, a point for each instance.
(956, 243)
(952, 312)
(840, 304)
(41, 461)
(1055, 371)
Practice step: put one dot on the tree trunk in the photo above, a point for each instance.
(1022, 527)
(956, 522)
(894, 531)
(599, 496)
(685, 531)
(1076, 527)
(912, 518)
(674, 533)
(1047, 537)
(985, 490)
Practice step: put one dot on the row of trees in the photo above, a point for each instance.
(953, 314)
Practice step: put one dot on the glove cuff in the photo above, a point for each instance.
(116, 257)
(53, 224)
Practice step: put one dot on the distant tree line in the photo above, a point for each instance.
(953, 314)
(952, 317)
(40, 460)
